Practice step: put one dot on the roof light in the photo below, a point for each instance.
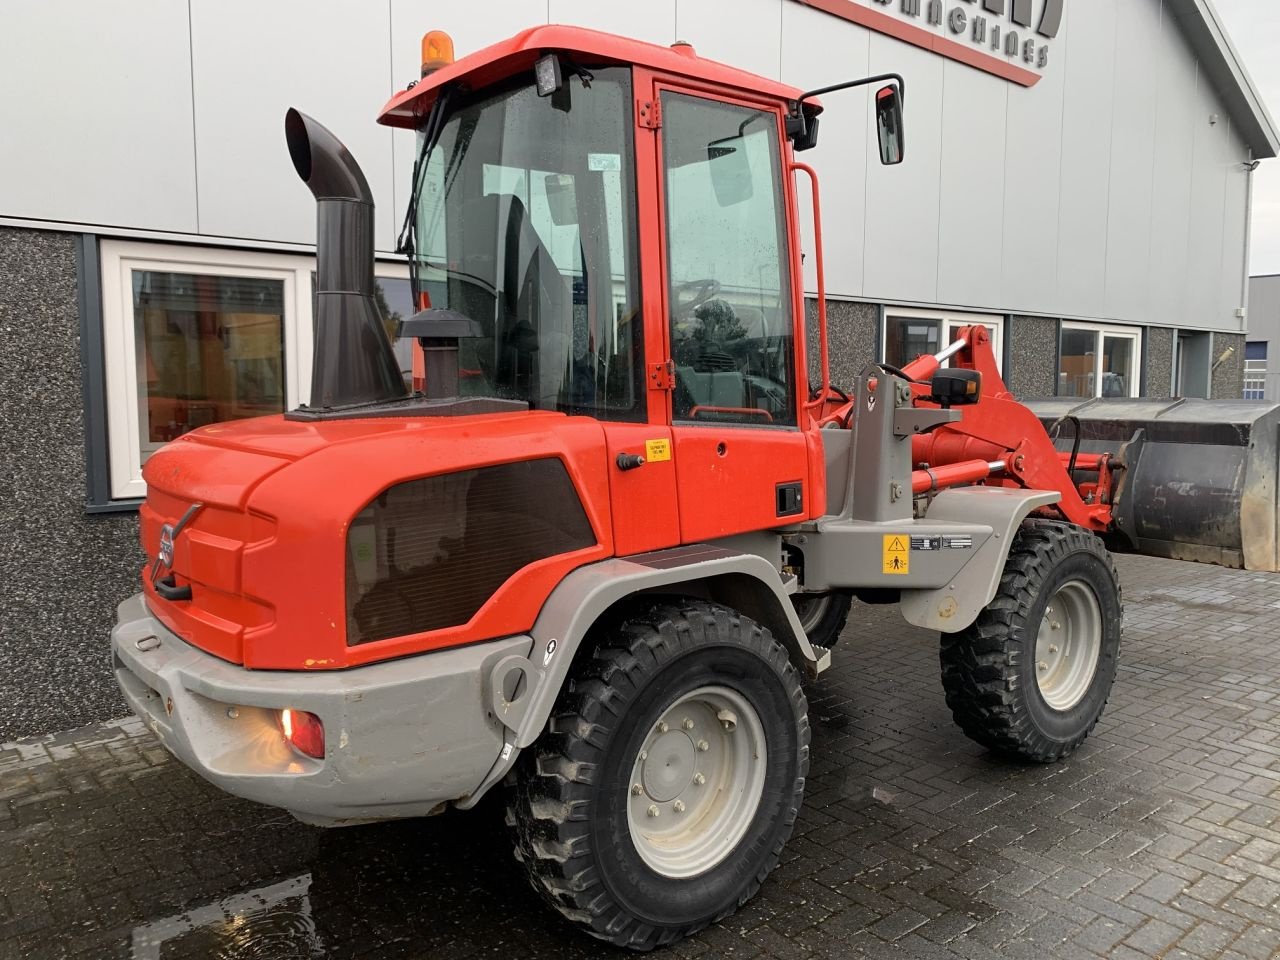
(437, 51)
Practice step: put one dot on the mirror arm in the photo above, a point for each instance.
(797, 125)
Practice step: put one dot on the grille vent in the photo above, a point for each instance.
(428, 553)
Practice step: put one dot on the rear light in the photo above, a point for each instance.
(304, 731)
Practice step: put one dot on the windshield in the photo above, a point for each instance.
(526, 225)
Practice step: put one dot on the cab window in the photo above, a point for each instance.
(729, 297)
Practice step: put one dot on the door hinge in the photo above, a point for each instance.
(662, 375)
(649, 114)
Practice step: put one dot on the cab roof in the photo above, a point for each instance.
(502, 60)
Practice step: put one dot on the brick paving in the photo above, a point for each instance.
(1159, 838)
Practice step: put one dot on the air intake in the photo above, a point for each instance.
(353, 362)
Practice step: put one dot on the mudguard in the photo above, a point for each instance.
(523, 690)
(952, 608)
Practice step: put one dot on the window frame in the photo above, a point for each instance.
(949, 320)
(1101, 331)
(122, 452)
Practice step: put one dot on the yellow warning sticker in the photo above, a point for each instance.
(896, 553)
(656, 451)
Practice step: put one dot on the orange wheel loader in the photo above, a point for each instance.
(591, 550)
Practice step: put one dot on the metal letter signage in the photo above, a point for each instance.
(992, 35)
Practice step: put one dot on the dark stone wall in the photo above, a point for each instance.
(1159, 362)
(1227, 378)
(1032, 360)
(852, 331)
(61, 571)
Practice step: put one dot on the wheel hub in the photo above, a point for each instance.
(669, 768)
(696, 782)
(1068, 645)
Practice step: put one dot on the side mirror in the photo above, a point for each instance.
(889, 124)
(957, 386)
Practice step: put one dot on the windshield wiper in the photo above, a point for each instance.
(434, 127)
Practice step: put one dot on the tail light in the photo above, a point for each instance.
(304, 731)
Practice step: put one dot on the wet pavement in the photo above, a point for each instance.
(1159, 838)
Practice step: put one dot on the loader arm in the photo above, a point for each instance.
(996, 437)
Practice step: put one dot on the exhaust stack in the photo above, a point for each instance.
(353, 361)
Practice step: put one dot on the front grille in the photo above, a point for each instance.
(428, 553)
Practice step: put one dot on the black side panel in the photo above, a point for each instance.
(428, 553)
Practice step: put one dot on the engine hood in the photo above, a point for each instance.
(265, 552)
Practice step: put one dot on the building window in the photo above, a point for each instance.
(908, 334)
(1098, 361)
(193, 336)
(1255, 370)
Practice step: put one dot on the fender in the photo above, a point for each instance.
(523, 690)
(954, 607)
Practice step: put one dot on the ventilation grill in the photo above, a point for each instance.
(428, 553)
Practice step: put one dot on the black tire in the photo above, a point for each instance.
(823, 615)
(568, 806)
(989, 671)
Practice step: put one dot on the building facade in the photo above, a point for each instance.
(1262, 348)
(1077, 177)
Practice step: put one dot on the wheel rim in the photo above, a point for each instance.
(696, 782)
(1068, 645)
(811, 608)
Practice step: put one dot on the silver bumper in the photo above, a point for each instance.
(401, 737)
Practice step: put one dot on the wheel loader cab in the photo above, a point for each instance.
(624, 240)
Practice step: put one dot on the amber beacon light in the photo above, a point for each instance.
(437, 50)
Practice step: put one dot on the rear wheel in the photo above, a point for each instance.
(1031, 676)
(670, 777)
(822, 615)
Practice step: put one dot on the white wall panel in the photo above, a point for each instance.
(815, 55)
(1087, 106)
(743, 33)
(1133, 129)
(971, 199)
(1176, 113)
(254, 60)
(1208, 189)
(901, 260)
(1032, 168)
(653, 20)
(1235, 227)
(95, 118)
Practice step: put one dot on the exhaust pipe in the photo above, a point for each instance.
(353, 361)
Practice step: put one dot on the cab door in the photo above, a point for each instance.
(730, 309)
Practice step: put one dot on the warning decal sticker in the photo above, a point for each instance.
(656, 451)
(896, 554)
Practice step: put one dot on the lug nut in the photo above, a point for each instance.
(644, 755)
(1042, 666)
(662, 727)
(703, 746)
(653, 810)
(688, 724)
(1053, 648)
(699, 779)
(1055, 625)
(233, 713)
(678, 806)
(636, 790)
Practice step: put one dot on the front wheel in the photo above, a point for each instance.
(1031, 676)
(670, 777)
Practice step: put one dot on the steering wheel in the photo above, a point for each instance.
(701, 290)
